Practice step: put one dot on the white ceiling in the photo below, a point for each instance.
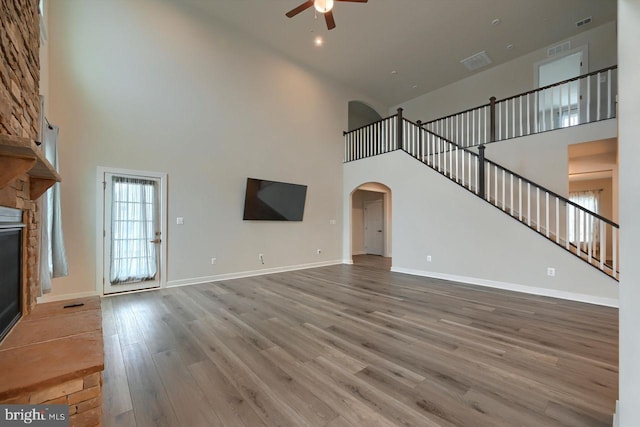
(423, 40)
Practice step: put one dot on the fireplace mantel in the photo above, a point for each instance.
(21, 155)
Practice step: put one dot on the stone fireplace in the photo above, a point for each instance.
(20, 117)
(54, 354)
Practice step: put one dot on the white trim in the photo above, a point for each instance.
(616, 416)
(100, 177)
(347, 261)
(553, 293)
(251, 273)
(51, 298)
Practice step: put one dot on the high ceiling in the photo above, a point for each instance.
(423, 41)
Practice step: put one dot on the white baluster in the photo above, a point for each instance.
(495, 192)
(603, 244)
(609, 94)
(547, 214)
(511, 193)
(506, 119)
(588, 105)
(529, 204)
(457, 170)
(598, 98)
(568, 212)
(614, 248)
(538, 208)
(536, 125)
(520, 199)
(499, 105)
(578, 230)
(521, 124)
(513, 117)
(504, 180)
(557, 220)
(589, 236)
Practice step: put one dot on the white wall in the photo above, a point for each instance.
(507, 79)
(469, 239)
(151, 85)
(543, 158)
(629, 153)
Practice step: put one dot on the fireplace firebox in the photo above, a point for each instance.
(10, 268)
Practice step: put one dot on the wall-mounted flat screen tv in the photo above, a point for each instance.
(274, 201)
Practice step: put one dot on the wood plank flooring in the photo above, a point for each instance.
(348, 346)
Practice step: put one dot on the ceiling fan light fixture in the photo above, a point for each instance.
(323, 6)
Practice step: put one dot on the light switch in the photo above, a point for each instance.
(180, 220)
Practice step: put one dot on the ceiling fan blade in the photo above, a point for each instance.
(304, 6)
(331, 23)
(354, 1)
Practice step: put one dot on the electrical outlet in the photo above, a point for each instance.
(318, 251)
(332, 221)
(213, 261)
(261, 258)
(180, 220)
(551, 271)
(428, 258)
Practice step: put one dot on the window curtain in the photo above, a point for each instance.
(584, 228)
(133, 256)
(53, 255)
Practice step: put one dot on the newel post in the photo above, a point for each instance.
(400, 129)
(481, 189)
(492, 104)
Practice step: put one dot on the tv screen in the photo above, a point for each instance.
(274, 201)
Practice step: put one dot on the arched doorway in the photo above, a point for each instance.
(371, 225)
(360, 114)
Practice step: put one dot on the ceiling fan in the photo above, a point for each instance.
(323, 6)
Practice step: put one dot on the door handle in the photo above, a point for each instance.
(379, 231)
(155, 241)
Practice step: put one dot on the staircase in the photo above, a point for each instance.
(583, 233)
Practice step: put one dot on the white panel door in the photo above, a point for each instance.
(374, 227)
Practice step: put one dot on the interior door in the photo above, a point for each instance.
(132, 233)
(374, 227)
(563, 106)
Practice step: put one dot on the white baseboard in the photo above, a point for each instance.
(359, 253)
(51, 298)
(347, 261)
(616, 417)
(553, 293)
(240, 275)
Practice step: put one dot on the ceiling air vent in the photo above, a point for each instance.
(584, 22)
(479, 60)
(558, 48)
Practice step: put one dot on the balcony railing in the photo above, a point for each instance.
(584, 99)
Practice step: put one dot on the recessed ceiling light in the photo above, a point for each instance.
(509, 47)
(496, 21)
(318, 41)
(394, 72)
(415, 86)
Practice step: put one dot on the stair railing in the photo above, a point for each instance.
(580, 100)
(586, 234)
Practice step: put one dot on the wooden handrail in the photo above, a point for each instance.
(554, 194)
(593, 73)
(347, 132)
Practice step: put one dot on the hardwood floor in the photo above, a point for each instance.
(347, 346)
(372, 262)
